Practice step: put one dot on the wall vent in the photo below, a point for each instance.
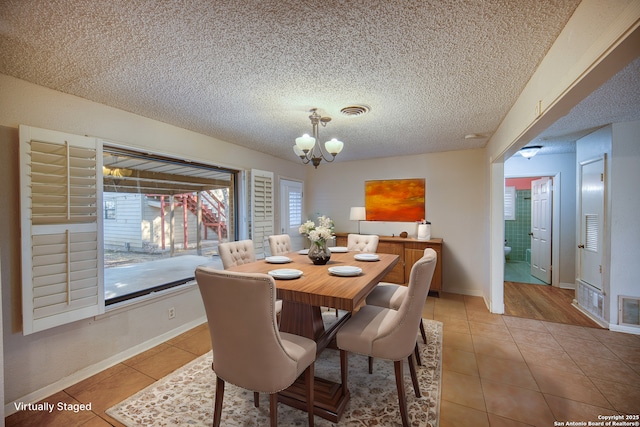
(629, 311)
(355, 110)
(591, 300)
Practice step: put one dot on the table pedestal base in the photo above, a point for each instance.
(330, 398)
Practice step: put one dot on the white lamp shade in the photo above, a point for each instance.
(529, 152)
(334, 146)
(358, 214)
(305, 142)
(298, 151)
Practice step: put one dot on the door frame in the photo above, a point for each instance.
(555, 221)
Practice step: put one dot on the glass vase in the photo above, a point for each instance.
(319, 253)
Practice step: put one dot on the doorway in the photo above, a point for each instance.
(528, 225)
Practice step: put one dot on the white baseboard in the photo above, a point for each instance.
(627, 329)
(565, 285)
(464, 291)
(591, 316)
(89, 371)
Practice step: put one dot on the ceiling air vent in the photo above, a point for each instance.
(355, 110)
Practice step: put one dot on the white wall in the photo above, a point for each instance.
(625, 208)
(551, 165)
(456, 205)
(42, 363)
(599, 40)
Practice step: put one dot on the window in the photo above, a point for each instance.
(170, 217)
(103, 224)
(109, 209)
(510, 203)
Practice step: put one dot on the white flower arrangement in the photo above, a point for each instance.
(320, 233)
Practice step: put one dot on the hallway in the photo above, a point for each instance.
(543, 302)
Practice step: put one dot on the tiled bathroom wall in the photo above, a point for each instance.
(517, 231)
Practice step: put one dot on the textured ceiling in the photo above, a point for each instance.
(248, 72)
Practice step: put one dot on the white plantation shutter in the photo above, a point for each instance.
(510, 203)
(262, 215)
(62, 251)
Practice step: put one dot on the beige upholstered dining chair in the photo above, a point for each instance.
(390, 334)
(280, 244)
(236, 253)
(391, 295)
(363, 242)
(248, 349)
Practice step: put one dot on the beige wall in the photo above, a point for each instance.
(456, 205)
(42, 363)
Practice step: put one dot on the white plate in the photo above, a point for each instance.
(366, 257)
(285, 273)
(345, 270)
(338, 249)
(277, 259)
(304, 252)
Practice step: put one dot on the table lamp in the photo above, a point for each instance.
(358, 214)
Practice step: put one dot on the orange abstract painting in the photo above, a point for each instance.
(394, 200)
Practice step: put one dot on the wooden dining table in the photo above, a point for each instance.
(302, 302)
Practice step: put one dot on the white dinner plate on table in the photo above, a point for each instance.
(345, 270)
(285, 273)
(338, 249)
(366, 257)
(277, 259)
(304, 252)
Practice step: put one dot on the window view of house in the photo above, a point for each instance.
(162, 218)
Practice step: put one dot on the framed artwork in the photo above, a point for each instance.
(400, 200)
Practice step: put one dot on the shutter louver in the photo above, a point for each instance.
(262, 215)
(510, 203)
(61, 186)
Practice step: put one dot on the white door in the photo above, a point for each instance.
(591, 208)
(291, 211)
(541, 229)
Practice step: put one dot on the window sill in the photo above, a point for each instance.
(141, 301)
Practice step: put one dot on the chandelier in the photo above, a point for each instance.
(306, 147)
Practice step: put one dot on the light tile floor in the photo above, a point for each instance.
(504, 371)
(498, 371)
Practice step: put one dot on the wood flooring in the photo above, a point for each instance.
(543, 302)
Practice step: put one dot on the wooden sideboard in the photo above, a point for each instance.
(409, 250)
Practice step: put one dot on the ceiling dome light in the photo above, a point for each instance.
(529, 152)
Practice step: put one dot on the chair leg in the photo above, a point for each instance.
(422, 332)
(370, 365)
(273, 409)
(256, 399)
(402, 401)
(309, 380)
(217, 404)
(416, 352)
(414, 377)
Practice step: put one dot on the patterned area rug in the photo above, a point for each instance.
(185, 397)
